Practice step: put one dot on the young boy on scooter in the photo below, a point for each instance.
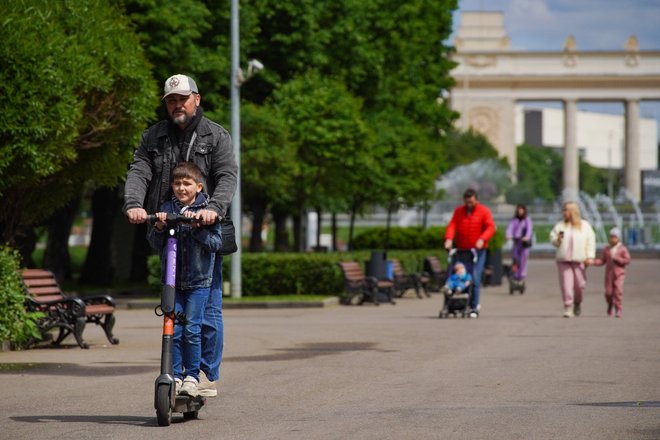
(196, 248)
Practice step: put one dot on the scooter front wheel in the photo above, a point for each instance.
(163, 408)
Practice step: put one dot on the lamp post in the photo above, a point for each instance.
(237, 79)
(236, 287)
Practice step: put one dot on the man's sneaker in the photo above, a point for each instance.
(568, 312)
(610, 309)
(189, 387)
(178, 383)
(619, 313)
(473, 314)
(207, 388)
(577, 309)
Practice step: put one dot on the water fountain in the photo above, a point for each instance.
(486, 176)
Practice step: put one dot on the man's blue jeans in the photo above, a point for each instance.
(213, 327)
(187, 342)
(478, 272)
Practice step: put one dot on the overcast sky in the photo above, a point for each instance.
(596, 24)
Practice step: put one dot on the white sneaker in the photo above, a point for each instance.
(568, 312)
(178, 383)
(206, 387)
(189, 387)
(473, 314)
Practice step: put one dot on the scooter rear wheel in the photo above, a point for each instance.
(163, 407)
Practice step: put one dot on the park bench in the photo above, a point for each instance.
(436, 275)
(68, 314)
(357, 284)
(405, 281)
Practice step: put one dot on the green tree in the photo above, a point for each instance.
(326, 125)
(77, 92)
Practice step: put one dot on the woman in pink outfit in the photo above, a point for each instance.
(575, 241)
(615, 257)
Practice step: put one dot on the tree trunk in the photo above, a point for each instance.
(335, 241)
(319, 224)
(99, 268)
(351, 227)
(281, 233)
(387, 229)
(297, 233)
(25, 241)
(140, 253)
(56, 256)
(258, 208)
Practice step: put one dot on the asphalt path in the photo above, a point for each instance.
(520, 371)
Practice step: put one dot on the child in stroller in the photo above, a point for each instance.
(458, 289)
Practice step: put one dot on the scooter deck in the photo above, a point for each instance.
(187, 404)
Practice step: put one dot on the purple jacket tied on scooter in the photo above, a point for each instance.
(196, 246)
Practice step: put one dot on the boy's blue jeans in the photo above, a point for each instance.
(213, 327)
(187, 342)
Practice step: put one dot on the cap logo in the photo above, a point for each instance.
(174, 82)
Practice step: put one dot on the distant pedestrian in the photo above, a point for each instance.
(471, 227)
(575, 241)
(615, 257)
(520, 232)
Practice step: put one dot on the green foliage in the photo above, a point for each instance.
(464, 147)
(77, 92)
(400, 238)
(412, 238)
(540, 174)
(17, 325)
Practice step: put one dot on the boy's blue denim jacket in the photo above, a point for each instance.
(196, 247)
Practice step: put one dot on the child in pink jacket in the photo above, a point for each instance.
(615, 257)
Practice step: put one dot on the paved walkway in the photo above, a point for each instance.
(389, 372)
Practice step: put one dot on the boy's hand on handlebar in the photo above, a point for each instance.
(160, 224)
(136, 215)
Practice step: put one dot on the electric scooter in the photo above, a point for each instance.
(166, 401)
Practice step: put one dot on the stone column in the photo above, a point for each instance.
(632, 165)
(571, 162)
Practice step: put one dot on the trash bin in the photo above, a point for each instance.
(377, 265)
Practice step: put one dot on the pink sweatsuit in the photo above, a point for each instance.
(615, 272)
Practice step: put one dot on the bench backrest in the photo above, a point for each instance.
(432, 265)
(41, 285)
(351, 270)
(397, 268)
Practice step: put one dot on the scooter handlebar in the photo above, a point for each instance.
(173, 219)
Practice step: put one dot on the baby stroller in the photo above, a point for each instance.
(458, 302)
(514, 284)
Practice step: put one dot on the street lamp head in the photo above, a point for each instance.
(254, 66)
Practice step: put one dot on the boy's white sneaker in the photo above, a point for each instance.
(189, 387)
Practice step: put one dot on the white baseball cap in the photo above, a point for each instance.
(179, 85)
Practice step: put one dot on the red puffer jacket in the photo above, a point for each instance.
(468, 228)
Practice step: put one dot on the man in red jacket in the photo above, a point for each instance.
(471, 227)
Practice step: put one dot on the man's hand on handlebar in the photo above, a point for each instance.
(208, 217)
(448, 244)
(136, 215)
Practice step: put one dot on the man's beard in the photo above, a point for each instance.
(183, 119)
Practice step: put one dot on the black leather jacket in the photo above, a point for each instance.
(148, 187)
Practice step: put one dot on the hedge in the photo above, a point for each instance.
(17, 325)
(304, 273)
